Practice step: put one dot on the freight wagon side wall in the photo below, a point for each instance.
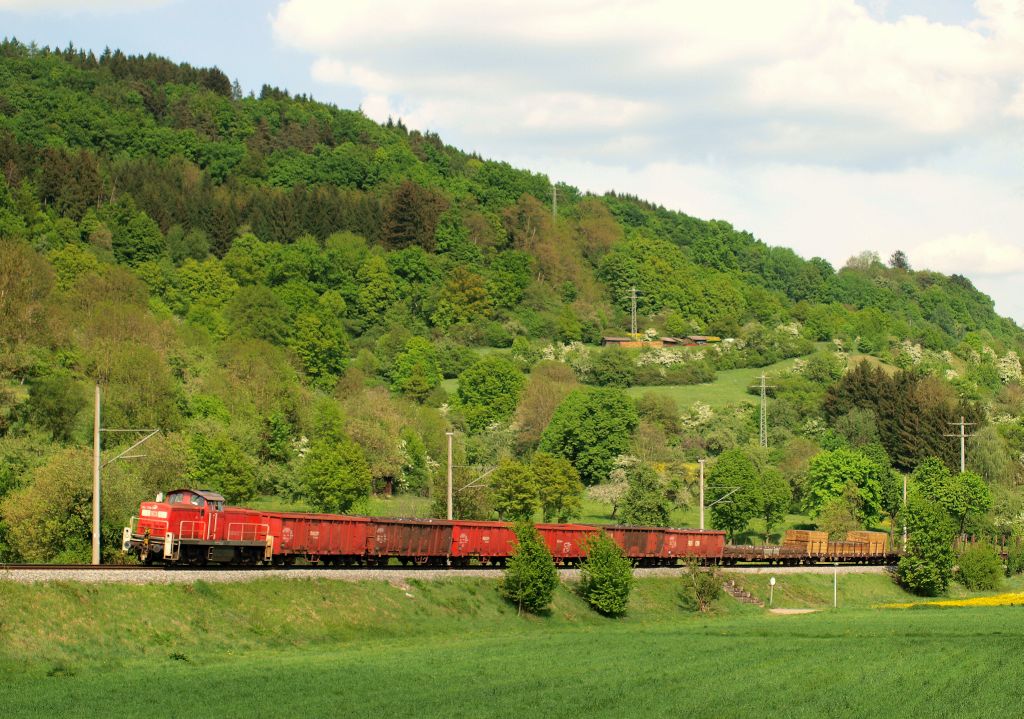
(409, 539)
(639, 542)
(494, 540)
(566, 541)
(318, 534)
(696, 543)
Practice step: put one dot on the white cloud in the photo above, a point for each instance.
(976, 253)
(822, 82)
(823, 127)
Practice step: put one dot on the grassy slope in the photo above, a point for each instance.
(729, 387)
(452, 649)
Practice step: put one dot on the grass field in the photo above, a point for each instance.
(729, 387)
(448, 649)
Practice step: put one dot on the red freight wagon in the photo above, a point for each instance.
(485, 541)
(422, 541)
(566, 542)
(327, 538)
(705, 544)
(643, 544)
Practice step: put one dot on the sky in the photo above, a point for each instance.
(829, 126)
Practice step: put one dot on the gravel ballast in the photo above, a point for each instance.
(397, 575)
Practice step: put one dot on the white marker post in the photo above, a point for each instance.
(835, 586)
(771, 590)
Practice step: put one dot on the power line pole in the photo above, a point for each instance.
(962, 434)
(904, 512)
(701, 462)
(764, 409)
(450, 435)
(632, 312)
(97, 431)
(96, 479)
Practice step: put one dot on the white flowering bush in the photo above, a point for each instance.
(792, 328)
(662, 357)
(1009, 368)
(696, 416)
(909, 354)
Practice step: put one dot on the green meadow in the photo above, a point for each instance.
(452, 648)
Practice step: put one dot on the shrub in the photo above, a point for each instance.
(1014, 557)
(979, 567)
(612, 367)
(927, 566)
(701, 586)
(606, 577)
(531, 578)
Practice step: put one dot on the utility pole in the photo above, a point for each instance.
(701, 462)
(764, 408)
(632, 312)
(554, 200)
(97, 429)
(96, 479)
(450, 434)
(962, 434)
(904, 512)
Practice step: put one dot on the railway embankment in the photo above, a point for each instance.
(72, 624)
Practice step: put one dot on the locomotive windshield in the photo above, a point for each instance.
(202, 498)
(186, 498)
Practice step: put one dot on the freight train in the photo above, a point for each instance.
(194, 527)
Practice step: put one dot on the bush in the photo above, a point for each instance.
(612, 367)
(606, 577)
(531, 578)
(927, 566)
(979, 567)
(1014, 557)
(701, 586)
(453, 358)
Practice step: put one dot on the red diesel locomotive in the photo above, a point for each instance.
(193, 527)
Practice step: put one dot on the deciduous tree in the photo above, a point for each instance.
(606, 576)
(531, 578)
(590, 428)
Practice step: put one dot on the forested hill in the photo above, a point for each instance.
(255, 275)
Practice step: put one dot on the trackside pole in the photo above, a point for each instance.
(701, 462)
(96, 479)
(904, 512)
(835, 586)
(450, 435)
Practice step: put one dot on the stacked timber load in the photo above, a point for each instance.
(847, 549)
(809, 542)
(878, 542)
